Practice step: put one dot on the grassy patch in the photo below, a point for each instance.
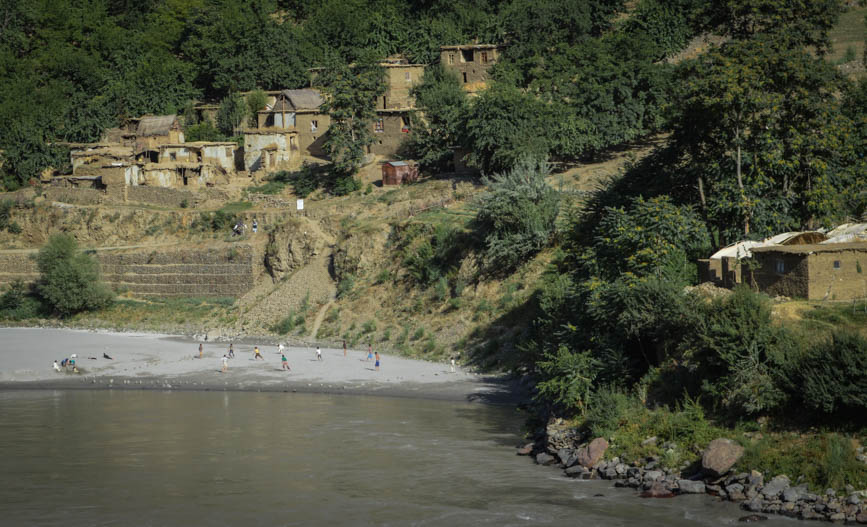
(823, 460)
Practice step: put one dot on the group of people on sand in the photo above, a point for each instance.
(68, 364)
(224, 361)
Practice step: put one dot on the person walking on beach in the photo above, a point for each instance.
(225, 366)
(344, 348)
(285, 362)
(280, 348)
(200, 350)
(318, 353)
(56, 367)
(377, 361)
(369, 352)
(453, 365)
(231, 351)
(255, 226)
(257, 354)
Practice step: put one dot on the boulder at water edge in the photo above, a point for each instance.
(720, 456)
(589, 455)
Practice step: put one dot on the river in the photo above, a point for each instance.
(114, 457)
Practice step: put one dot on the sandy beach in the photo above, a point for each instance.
(148, 361)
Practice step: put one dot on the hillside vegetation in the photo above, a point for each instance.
(605, 170)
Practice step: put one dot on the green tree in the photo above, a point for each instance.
(69, 279)
(231, 114)
(517, 215)
(444, 105)
(351, 92)
(255, 102)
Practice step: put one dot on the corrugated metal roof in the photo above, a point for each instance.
(397, 163)
(812, 248)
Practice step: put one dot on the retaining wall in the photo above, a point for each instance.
(226, 271)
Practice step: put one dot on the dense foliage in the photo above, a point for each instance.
(69, 278)
(580, 80)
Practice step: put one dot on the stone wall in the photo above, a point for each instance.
(209, 272)
(168, 197)
(77, 196)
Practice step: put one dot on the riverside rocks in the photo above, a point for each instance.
(590, 455)
(720, 456)
(647, 476)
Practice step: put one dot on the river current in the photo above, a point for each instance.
(93, 458)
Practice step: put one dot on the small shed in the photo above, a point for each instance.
(398, 172)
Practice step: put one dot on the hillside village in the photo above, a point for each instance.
(290, 129)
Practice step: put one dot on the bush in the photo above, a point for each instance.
(5, 213)
(567, 378)
(832, 377)
(14, 228)
(17, 303)
(516, 216)
(69, 279)
(345, 285)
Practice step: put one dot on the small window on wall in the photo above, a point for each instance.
(780, 266)
(484, 57)
(404, 124)
(836, 264)
(451, 58)
(378, 126)
(314, 125)
(407, 76)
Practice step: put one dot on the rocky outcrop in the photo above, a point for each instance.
(590, 455)
(720, 456)
(292, 245)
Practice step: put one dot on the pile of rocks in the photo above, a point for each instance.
(714, 476)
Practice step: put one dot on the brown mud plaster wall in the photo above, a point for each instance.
(847, 281)
(206, 272)
(793, 282)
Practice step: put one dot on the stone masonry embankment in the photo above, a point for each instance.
(225, 271)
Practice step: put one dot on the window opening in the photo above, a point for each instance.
(378, 126)
(314, 125)
(781, 266)
(484, 57)
(836, 264)
(465, 77)
(466, 55)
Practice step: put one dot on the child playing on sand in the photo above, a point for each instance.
(231, 351)
(344, 348)
(200, 350)
(56, 366)
(225, 364)
(256, 354)
(318, 353)
(377, 361)
(285, 362)
(369, 351)
(280, 348)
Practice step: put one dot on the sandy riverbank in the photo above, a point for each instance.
(147, 361)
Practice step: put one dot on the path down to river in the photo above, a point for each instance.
(147, 361)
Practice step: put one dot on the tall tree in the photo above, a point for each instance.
(351, 92)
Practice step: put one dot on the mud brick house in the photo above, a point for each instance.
(810, 265)
(216, 154)
(394, 109)
(298, 111)
(832, 271)
(471, 62)
(155, 130)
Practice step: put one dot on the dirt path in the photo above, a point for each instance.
(319, 317)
